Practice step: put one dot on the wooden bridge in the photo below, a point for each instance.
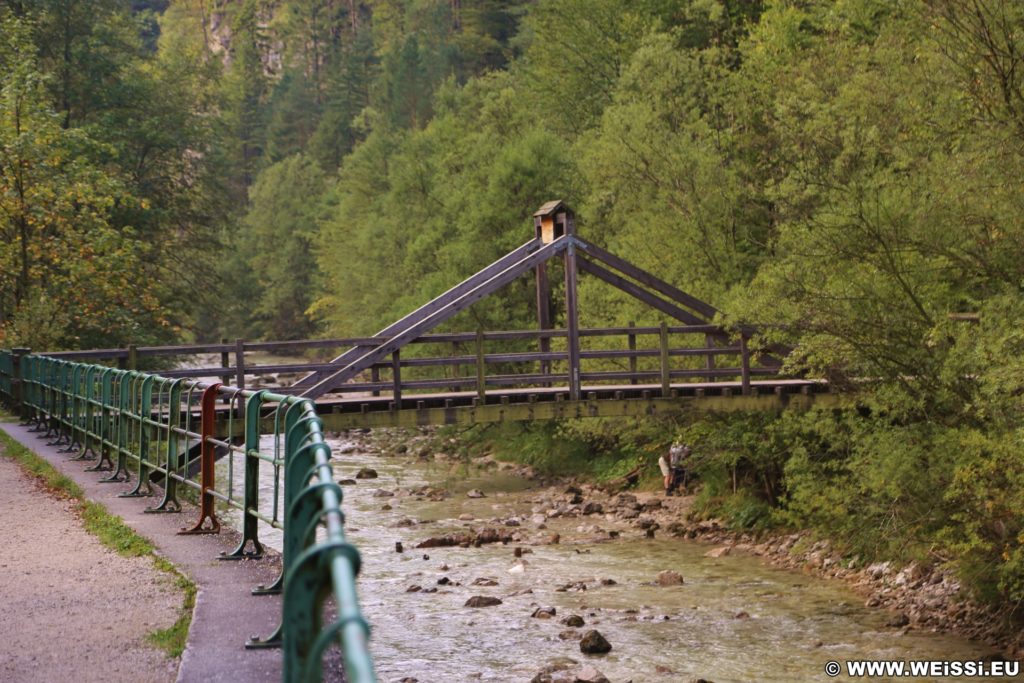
(406, 375)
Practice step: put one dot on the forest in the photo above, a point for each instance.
(847, 175)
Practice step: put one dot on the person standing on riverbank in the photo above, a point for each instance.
(672, 467)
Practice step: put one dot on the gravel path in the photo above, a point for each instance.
(71, 609)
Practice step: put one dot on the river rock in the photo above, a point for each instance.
(366, 473)
(741, 615)
(518, 567)
(475, 493)
(485, 581)
(669, 578)
(465, 540)
(383, 493)
(347, 482)
(588, 674)
(482, 601)
(543, 613)
(573, 620)
(593, 643)
(569, 634)
(466, 517)
(721, 551)
(553, 667)
(593, 508)
(898, 621)
(414, 589)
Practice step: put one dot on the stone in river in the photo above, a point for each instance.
(741, 615)
(669, 578)
(569, 634)
(347, 482)
(573, 620)
(383, 493)
(475, 493)
(721, 551)
(593, 643)
(588, 674)
(414, 589)
(554, 666)
(484, 581)
(366, 473)
(482, 601)
(898, 621)
(466, 517)
(543, 613)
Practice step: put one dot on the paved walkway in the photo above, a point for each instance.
(226, 614)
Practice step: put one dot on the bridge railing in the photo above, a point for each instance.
(476, 362)
(147, 427)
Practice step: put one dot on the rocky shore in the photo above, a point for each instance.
(918, 597)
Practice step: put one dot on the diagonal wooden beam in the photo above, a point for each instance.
(639, 293)
(442, 309)
(429, 308)
(645, 278)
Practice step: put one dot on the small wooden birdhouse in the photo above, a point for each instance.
(553, 220)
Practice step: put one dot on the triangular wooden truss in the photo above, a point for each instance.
(555, 236)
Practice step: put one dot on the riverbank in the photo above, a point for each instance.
(916, 598)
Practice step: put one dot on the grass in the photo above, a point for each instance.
(112, 532)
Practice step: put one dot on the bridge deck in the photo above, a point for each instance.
(535, 403)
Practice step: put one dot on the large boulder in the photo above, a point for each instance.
(669, 578)
(482, 601)
(593, 643)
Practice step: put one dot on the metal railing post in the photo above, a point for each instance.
(207, 461)
(17, 384)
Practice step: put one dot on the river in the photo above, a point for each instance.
(734, 618)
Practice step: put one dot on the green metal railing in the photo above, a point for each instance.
(173, 430)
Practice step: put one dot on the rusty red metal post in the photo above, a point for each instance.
(207, 430)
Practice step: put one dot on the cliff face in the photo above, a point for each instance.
(218, 25)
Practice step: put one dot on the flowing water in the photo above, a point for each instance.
(796, 623)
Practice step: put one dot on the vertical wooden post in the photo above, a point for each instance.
(709, 363)
(240, 363)
(481, 368)
(631, 340)
(666, 379)
(745, 364)
(572, 323)
(396, 378)
(133, 357)
(225, 360)
(543, 314)
(375, 377)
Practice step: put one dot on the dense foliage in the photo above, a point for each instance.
(845, 174)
